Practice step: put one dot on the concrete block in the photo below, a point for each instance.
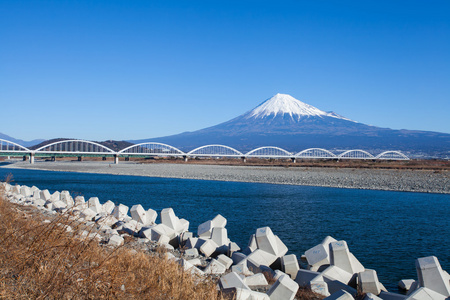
(431, 275)
(255, 280)
(184, 225)
(37, 194)
(88, 214)
(108, 207)
(169, 219)
(336, 285)
(59, 206)
(357, 267)
(317, 256)
(187, 266)
(340, 256)
(303, 277)
(133, 226)
(370, 296)
(195, 261)
(161, 229)
(243, 294)
(336, 273)
(241, 269)
(233, 247)
(405, 284)
(283, 288)
(191, 243)
(391, 296)
(163, 240)
(252, 245)
(25, 191)
(319, 286)
(237, 257)
(205, 229)
(120, 211)
(282, 249)
(115, 240)
(151, 216)
(266, 240)
(108, 220)
(368, 282)
(259, 259)
(424, 293)
(219, 236)
(232, 280)
(38, 202)
(340, 295)
(48, 205)
(56, 196)
(215, 267)
(45, 195)
(138, 214)
(67, 198)
(79, 200)
(208, 248)
(191, 252)
(414, 286)
(94, 204)
(225, 260)
(327, 240)
(289, 265)
(219, 221)
(185, 235)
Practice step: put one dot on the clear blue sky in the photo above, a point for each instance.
(138, 69)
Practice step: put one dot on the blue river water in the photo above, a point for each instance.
(385, 230)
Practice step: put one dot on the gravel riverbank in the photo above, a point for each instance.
(426, 181)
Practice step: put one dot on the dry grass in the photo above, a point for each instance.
(305, 293)
(44, 261)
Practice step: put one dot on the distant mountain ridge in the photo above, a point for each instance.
(21, 142)
(291, 124)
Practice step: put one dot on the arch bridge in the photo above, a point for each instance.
(80, 148)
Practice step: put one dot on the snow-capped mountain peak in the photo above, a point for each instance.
(282, 104)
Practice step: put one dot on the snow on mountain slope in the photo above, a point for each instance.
(282, 104)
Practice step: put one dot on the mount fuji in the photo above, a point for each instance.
(286, 122)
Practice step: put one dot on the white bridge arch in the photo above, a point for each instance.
(392, 155)
(215, 151)
(356, 154)
(74, 146)
(158, 149)
(269, 152)
(8, 146)
(315, 153)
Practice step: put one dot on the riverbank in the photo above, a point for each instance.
(425, 181)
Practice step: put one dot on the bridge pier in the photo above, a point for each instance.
(80, 158)
(31, 158)
(293, 160)
(116, 159)
(244, 159)
(185, 158)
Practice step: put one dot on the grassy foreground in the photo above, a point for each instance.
(51, 261)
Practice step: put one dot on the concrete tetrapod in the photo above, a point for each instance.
(431, 275)
(283, 289)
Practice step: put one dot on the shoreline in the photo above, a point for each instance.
(424, 181)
